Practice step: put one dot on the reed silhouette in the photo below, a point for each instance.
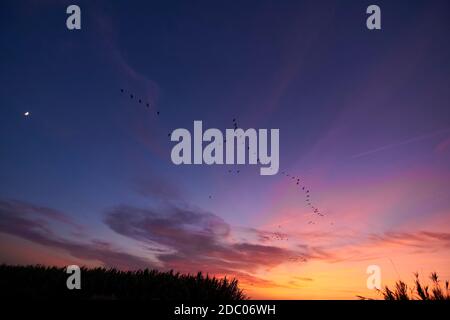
(42, 282)
(418, 291)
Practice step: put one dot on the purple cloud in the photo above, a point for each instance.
(36, 223)
(196, 240)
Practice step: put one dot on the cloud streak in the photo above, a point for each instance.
(34, 223)
(195, 240)
(188, 239)
(401, 143)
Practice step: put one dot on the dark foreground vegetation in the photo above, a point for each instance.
(418, 291)
(40, 282)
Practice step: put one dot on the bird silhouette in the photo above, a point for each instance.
(140, 101)
(307, 193)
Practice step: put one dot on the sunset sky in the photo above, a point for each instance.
(86, 177)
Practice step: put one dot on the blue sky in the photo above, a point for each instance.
(363, 115)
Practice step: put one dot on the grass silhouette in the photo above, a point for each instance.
(419, 291)
(41, 282)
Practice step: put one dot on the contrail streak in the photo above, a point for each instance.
(401, 143)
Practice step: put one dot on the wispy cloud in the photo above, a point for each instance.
(404, 142)
(35, 223)
(419, 239)
(196, 240)
(189, 239)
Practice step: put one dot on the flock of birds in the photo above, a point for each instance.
(138, 100)
(133, 97)
(306, 192)
(298, 258)
(298, 182)
(279, 236)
